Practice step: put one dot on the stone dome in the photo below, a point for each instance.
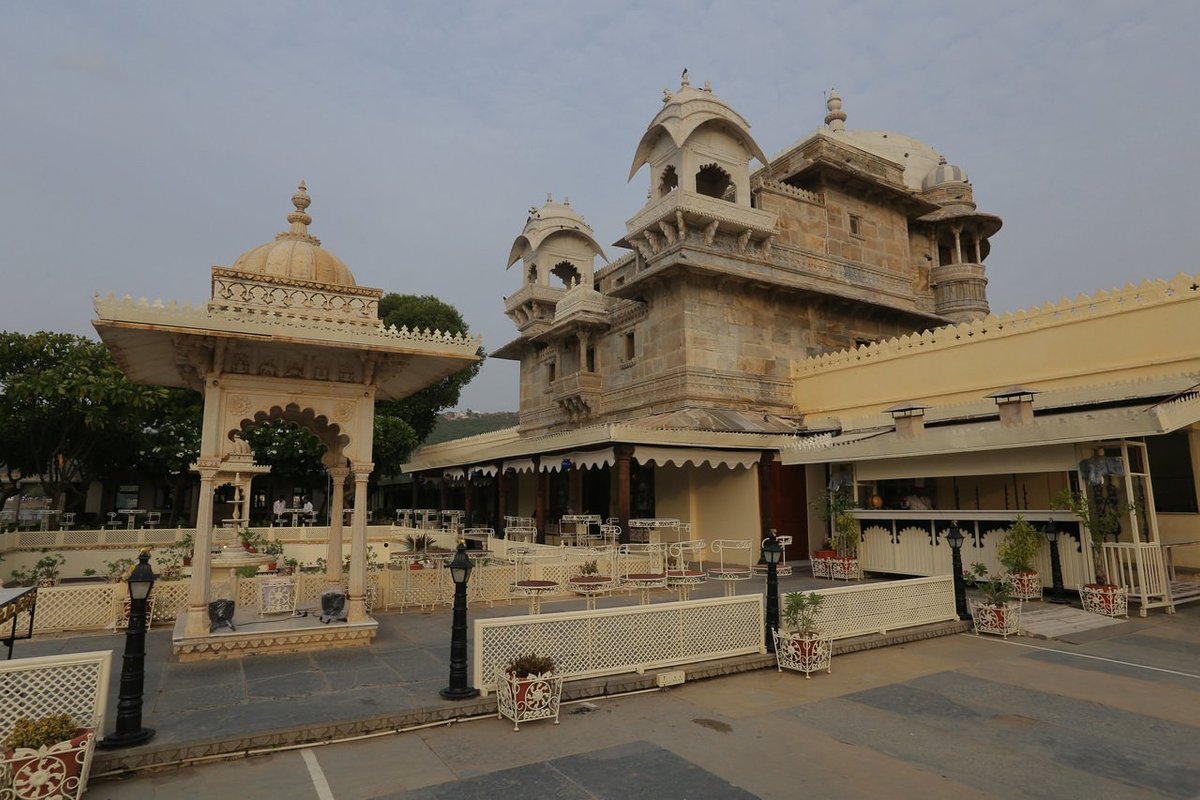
(917, 158)
(944, 173)
(296, 254)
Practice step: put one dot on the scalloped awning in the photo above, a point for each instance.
(697, 456)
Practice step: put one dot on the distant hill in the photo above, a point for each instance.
(460, 424)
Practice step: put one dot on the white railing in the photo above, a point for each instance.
(1139, 567)
(882, 607)
(587, 644)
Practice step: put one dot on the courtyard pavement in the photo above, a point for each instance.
(257, 703)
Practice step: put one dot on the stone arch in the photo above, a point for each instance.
(566, 272)
(328, 433)
(668, 182)
(713, 181)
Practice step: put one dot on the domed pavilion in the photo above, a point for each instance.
(288, 335)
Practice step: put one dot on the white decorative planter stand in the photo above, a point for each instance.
(845, 568)
(1025, 585)
(526, 699)
(805, 653)
(1000, 620)
(1106, 599)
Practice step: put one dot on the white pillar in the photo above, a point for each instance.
(199, 589)
(357, 610)
(333, 549)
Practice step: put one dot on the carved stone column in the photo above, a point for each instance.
(357, 609)
(333, 549)
(199, 589)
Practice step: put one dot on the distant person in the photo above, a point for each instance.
(917, 502)
(279, 508)
(309, 513)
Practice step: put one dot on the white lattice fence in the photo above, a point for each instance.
(75, 684)
(74, 608)
(170, 598)
(881, 607)
(586, 644)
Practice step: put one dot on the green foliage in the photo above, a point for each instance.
(67, 413)
(114, 570)
(247, 572)
(1101, 520)
(800, 611)
(41, 732)
(45, 568)
(415, 542)
(589, 568)
(523, 666)
(994, 588)
(293, 453)
(471, 424)
(423, 312)
(837, 507)
(1020, 546)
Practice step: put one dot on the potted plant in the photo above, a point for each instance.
(48, 757)
(114, 570)
(994, 614)
(1017, 551)
(44, 572)
(802, 646)
(1102, 519)
(273, 548)
(529, 688)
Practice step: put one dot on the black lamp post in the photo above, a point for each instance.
(460, 570)
(1056, 593)
(772, 553)
(133, 668)
(955, 539)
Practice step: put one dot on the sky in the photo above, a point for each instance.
(143, 143)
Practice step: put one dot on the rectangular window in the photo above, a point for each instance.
(1171, 473)
(630, 346)
(855, 225)
(550, 369)
(591, 359)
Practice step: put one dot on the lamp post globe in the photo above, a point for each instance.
(460, 572)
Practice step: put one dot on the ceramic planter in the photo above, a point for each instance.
(803, 652)
(1000, 619)
(523, 699)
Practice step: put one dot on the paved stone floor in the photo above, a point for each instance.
(1116, 716)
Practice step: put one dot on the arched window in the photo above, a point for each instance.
(713, 181)
(669, 182)
(531, 275)
(566, 272)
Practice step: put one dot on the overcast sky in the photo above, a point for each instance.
(142, 143)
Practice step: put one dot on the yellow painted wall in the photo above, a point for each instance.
(720, 503)
(1142, 332)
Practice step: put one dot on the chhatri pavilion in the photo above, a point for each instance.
(287, 335)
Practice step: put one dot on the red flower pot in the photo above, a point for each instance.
(49, 772)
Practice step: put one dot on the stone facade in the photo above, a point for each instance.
(846, 238)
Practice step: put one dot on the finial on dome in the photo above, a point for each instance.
(549, 197)
(708, 86)
(566, 201)
(299, 219)
(836, 118)
(683, 79)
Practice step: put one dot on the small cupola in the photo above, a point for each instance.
(1015, 404)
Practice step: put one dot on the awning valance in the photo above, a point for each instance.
(453, 474)
(519, 465)
(698, 456)
(483, 469)
(593, 458)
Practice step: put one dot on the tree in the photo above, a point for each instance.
(67, 413)
(401, 425)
